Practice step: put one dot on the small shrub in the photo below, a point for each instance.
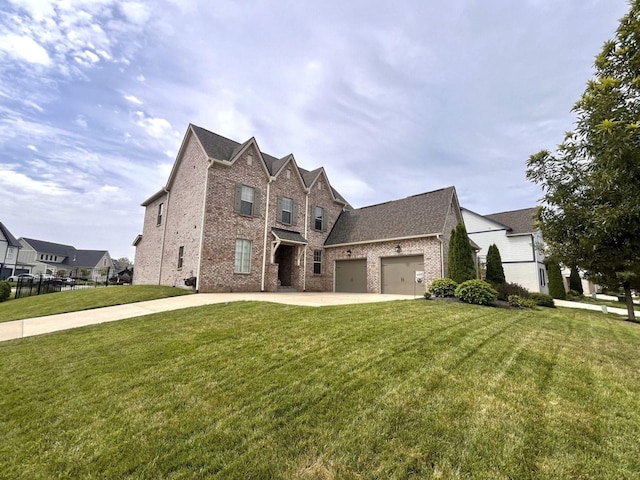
(574, 295)
(443, 287)
(427, 295)
(477, 292)
(542, 299)
(505, 290)
(515, 301)
(528, 303)
(5, 291)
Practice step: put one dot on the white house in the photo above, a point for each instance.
(9, 248)
(520, 243)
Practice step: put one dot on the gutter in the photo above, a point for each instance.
(441, 255)
(306, 231)
(202, 220)
(382, 240)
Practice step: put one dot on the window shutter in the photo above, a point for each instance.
(294, 213)
(256, 202)
(324, 220)
(279, 213)
(237, 199)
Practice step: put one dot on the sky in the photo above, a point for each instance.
(391, 98)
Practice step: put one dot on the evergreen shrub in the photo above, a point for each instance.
(506, 289)
(477, 292)
(443, 287)
(5, 291)
(542, 299)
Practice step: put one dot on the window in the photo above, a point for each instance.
(247, 200)
(317, 262)
(318, 217)
(243, 256)
(160, 208)
(542, 277)
(180, 256)
(285, 214)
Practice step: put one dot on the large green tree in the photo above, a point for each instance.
(495, 271)
(591, 214)
(461, 265)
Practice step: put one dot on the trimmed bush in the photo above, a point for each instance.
(427, 295)
(528, 303)
(515, 301)
(477, 292)
(556, 284)
(495, 272)
(542, 299)
(461, 265)
(443, 287)
(575, 282)
(505, 290)
(5, 291)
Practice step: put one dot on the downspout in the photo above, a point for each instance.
(164, 232)
(306, 231)
(266, 233)
(202, 220)
(441, 255)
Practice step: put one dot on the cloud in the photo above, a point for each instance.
(21, 47)
(133, 99)
(155, 127)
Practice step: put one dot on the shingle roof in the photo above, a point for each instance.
(423, 214)
(13, 242)
(73, 256)
(288, 235)
(519, 221)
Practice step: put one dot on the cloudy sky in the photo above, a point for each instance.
(393, 98)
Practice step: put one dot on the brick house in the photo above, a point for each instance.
(237, 219)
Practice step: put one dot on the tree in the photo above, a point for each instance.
(590, 217)
(461, 265)
(124, 260)
(495, 271)
(556, 284)
(575, 282)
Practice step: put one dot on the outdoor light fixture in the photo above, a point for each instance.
(398, 248)
(349, 253)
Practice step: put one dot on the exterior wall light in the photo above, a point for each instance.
(349, 253)
(398, 248)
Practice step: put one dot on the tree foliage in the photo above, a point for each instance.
(591, 217)
(495, 271)
(461, 265)
(556, 284)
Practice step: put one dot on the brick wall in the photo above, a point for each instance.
(148, 250)
(429, 247)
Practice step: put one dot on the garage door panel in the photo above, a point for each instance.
(351, 276)
(399, 273)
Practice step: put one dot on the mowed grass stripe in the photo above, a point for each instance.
(254, 390)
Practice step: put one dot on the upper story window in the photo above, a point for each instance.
(247, 200)
(160, 209)
(287, 211)
(319, 219)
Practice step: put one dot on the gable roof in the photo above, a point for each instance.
(49, 247)
(518, 221)
(419, 215)
(223, 149)
(11, 240)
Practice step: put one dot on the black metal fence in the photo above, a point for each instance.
(78, 278)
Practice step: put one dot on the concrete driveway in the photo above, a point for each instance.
(64, 321)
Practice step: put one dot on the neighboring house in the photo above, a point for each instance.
(588, 287)
(64, 260)
(379, 249)
(9, 248)
(236, 219)
(520, 243)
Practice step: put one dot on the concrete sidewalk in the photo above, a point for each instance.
(64, 321)
(590, 306)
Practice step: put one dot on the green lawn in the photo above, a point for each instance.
(411, 389)
(76, 300)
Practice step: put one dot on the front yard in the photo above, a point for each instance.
(408, 389)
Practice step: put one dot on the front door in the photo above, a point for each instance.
(284, 259)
